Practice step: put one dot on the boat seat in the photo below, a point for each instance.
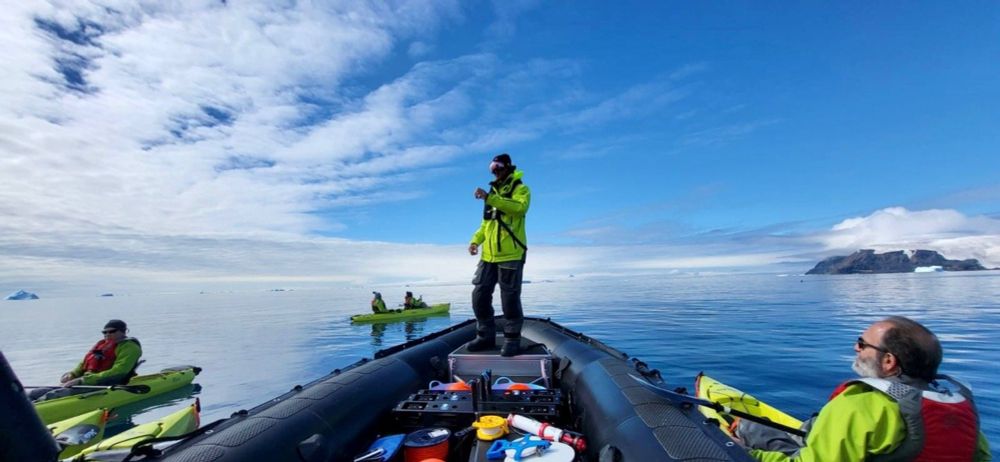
(534, 362)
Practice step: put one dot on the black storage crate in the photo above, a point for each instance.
(440, 407)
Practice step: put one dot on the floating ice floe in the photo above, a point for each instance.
(928, 269)
(22, 295)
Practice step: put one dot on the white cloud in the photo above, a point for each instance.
(737, 260)
(950, 232)
(419, 49)
(720, 134)
(173, 93)
(177, 142)
(689, 70)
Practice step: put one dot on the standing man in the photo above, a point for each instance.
(899, 409)
(504, 247)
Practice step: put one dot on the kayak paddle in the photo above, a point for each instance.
(682, 398)
(136, 389)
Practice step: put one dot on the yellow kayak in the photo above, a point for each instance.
(77, 433)
(139, 388)
(178, 423)
(712, 390)
(439, 309)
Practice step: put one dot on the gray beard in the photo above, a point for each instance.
(866, 368)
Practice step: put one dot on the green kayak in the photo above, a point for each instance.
(77, 433)
(393, 315)
(137, 389)
(178, 423)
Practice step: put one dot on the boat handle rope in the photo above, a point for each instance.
(643, 369)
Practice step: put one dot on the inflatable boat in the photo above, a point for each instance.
(566, 397)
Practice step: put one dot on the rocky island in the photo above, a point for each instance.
(867, 261)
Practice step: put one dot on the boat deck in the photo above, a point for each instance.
(566, 380)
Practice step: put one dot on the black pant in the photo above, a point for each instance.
(508, 274)
(760, 436)
(55, 392)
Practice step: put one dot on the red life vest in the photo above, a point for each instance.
(101, 357)
(941, 425)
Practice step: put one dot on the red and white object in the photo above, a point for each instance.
(546, 431)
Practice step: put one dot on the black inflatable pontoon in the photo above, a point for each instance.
(590, 390)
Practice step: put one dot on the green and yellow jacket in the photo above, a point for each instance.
(414, 303)
(858, 425)
(507, 203)
(127, 354)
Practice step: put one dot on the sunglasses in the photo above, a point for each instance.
(862, 344)
(109, 331)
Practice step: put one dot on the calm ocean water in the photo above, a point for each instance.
(788, 340)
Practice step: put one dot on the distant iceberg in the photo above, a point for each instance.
(928, 269)
(22, 295)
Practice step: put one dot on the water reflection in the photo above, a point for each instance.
(151, 408)
(412, 329)
(378, 332)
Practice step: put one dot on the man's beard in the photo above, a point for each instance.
(866, 367)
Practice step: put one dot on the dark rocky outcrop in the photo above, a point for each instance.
(867, 261)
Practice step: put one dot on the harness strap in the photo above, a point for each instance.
(498, 215)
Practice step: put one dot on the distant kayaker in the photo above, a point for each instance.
(112, 361)
(378, 305)
(410, 303)
(897, 410)
(504, 246)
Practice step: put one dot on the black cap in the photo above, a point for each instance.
(116, 324)
(503, 159)
(409, 294)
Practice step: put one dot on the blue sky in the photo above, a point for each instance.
(207, 143)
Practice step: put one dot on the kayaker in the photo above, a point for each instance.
(410, 303)
(112, 360)
(504, 248)
(897, 410)
(378, 305)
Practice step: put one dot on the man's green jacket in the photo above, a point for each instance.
(495, 243)
(127, 353)
(853, 427)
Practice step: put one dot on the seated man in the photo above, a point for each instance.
(899, 409)
(378, 305)
(410, 303)
(112, 361)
